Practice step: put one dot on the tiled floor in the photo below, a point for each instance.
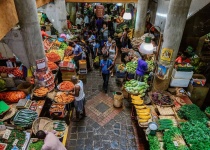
(105, 127)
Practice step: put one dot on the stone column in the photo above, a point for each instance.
(72, 12)
(172, 36)
(30, 30)
(140, 24)
(60, 9)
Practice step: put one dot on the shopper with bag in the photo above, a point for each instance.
(113, 52)
(106, 65)
(77, 51)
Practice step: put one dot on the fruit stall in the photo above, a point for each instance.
(38, 99)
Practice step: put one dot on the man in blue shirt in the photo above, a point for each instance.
(77, 51)
(106, 65)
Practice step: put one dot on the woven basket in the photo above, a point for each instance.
(9, 114)
(36, 124)
(207, 114)
(49, 127)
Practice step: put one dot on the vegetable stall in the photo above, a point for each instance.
(32, 99)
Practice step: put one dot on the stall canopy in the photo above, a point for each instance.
(8, 16)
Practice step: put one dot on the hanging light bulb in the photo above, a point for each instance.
(146, 47)
(127, 14)
(119, 4)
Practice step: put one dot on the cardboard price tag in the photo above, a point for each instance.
(7, 134)
(15, 142)
(176, 143)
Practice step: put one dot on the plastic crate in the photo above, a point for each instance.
(82, 64)
(120, 74)
(186, 69)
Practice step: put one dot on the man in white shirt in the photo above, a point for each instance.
(86, 19)
(79, 20)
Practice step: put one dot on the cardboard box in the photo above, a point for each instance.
(179, 82)
(181, 74)
(199, 78)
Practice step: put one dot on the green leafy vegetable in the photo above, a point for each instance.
(165, 124)
(154, 144)
(192, 112)
(207, 110)
(36, 146)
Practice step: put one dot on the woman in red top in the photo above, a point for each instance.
(183, 58)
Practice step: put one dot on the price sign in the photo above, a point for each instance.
(7, 134)
(176, 143)
(41, 64)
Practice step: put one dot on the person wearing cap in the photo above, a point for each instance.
(105, 65)
(79, 102)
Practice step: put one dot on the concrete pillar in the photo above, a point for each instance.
(172, 36)
(142, 6)
(57, 14)
(72, 10)
(61, 14)
(30, 30)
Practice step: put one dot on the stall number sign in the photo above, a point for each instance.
(166, 54)
(41, 64)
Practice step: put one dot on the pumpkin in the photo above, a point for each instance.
(12, 97)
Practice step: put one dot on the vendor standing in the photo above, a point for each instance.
(141, 68)
(77, 52)
(183, 58)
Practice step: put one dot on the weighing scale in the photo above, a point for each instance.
(152, 128)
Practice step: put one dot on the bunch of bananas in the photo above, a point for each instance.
(143, 112)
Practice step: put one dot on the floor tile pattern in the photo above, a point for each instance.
(105, 127)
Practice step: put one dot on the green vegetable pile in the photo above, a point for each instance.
(165, 124)
(196, 134)
(25, 118)
(136, 87)
(169, 137)
(2, 84)
(15, 134)
(63, 46)
(150, 65)
(207, 110)
(36, 146)
(154, 144)
(192, 112)
(131, 67)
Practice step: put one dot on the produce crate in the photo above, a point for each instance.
(82, 71)
(82, 64)
(186, 69)
(120, 74)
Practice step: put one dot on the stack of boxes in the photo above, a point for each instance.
(82, 69)
(68, 71)
(180, 78)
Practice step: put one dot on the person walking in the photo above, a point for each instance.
(106, 65)
(51, 142)
(104, 34)
(79, 102)
(113, 52)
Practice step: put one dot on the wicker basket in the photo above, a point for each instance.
(26, 87)
(207, 114)
(36, 126)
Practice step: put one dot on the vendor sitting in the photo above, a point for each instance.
(51, 142)
(141, 68)
(182, 59)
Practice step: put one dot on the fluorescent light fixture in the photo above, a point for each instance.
(146, 47)
(127, 15)
(119, 4)
(162, 15)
